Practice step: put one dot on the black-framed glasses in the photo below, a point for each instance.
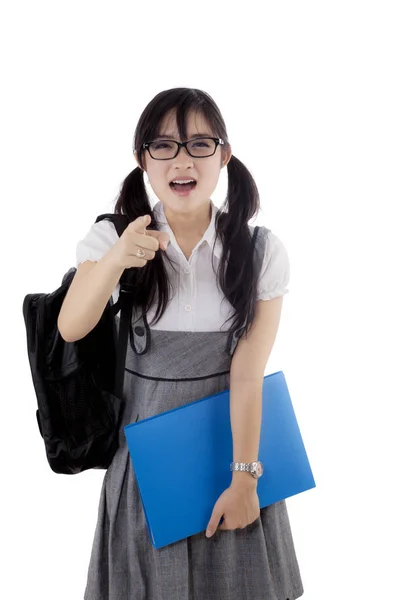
(201, 147)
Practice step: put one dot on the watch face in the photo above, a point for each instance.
(257, 469)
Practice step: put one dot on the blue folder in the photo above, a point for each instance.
(181, 459)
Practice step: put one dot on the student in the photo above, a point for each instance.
(205, 317)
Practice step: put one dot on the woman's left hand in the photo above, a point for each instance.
(238, 504)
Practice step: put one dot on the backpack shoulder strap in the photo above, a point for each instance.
(123, 304)
(121, 222)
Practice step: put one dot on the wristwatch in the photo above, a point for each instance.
(255, 468)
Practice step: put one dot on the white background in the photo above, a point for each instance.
(310, 95)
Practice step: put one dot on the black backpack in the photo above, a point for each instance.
(79, 384)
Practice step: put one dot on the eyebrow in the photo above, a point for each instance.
(166, 136)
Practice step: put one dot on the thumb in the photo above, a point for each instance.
(139, 225)
(161, 236)
(214, 521)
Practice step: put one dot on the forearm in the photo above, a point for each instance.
(87, 298)
(246, 415)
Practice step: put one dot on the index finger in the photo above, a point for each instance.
(147, 241)
(160, 237)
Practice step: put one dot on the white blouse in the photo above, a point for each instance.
(198, 304)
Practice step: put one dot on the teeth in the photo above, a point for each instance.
(182, 181)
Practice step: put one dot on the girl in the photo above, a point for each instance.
(196, 269)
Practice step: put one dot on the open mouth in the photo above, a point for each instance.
(183, 186)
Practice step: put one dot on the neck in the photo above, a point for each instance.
(191, 225)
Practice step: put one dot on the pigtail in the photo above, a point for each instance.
(133, 188)
(151, 281)
(236, 273)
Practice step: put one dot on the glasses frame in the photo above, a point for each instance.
(218, 141)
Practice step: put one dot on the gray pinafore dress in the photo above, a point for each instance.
(164, 370)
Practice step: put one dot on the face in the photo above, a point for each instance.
(205, 171)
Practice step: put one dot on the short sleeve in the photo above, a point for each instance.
(97, 242)
(275, 270)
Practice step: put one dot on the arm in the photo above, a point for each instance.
(246, 379)
(239, 504)
(87, 296)
(94, 282)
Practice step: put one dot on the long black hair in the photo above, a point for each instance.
(236, 274)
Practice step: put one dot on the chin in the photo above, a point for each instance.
(172, 198)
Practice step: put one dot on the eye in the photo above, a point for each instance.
(201, 144)
(162, 145)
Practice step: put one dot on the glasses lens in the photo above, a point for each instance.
(163, 149)
(202, 147)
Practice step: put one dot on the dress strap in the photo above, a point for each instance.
(258, 247)
(140, 334)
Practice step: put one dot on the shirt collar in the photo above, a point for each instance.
(208, 237)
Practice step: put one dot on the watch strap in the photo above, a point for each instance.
(235, 466)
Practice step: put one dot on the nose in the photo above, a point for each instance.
(183, 158)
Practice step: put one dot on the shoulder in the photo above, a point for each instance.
(98, 240)
(274, 272)
(269, 245)
(275, 248)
